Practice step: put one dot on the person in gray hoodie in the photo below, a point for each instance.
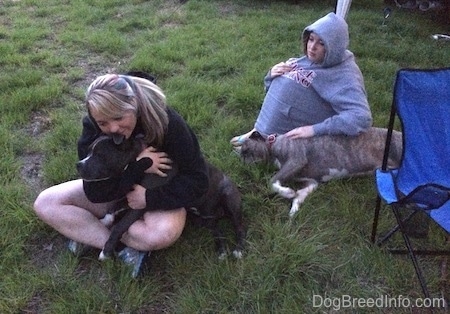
(319, 93)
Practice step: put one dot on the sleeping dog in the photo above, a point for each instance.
(320, 158)
(109, 156)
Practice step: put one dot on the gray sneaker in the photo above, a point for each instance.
(78, 249)
(133, 258)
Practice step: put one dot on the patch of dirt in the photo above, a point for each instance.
(40, 123)
(35, 304)
(31, 170)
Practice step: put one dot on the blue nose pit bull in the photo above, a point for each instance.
(109, 156)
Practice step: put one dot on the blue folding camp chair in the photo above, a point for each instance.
(422, 181)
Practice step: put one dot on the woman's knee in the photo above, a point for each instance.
(43, 203)
(159, 229)
(171, 230)
(54, 197)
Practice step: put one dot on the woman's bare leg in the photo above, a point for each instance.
(157, 230)
(66, 208)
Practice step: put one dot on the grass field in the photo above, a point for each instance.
(210, 58)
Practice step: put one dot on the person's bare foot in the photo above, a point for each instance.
(238, 140)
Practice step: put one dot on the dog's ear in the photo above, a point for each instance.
(256, 136)
(143, 74)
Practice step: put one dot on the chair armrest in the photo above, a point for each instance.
(385, 185)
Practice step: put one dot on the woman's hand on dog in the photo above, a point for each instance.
(161, 161)
(301, 132)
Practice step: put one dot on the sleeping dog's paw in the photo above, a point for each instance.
(284, 191)
(300, 197)
(295, 207)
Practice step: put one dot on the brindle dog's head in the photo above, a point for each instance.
(255, 149)
(108, 156)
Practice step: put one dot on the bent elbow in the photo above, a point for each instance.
(361, 125)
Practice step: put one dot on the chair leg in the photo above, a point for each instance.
(412, 255)
(394, 229)
(375, 224)
(375, 219)
(444, 275)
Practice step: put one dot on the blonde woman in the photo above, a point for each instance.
(130, 106)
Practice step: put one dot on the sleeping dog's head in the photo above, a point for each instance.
(108, 156)
(255, 149)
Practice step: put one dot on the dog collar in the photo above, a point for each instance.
(271, 139)
(97, 180)
(103, 179)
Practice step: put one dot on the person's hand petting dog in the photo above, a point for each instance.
(161, 161)
(301, 132)
(136, 197)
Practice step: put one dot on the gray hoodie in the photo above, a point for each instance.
(329, 96)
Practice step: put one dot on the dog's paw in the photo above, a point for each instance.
(287, 193)
(237, 254)
(283, 191)
(294, 208)
(300, 197)
(102, 256)
(222, 256)
(290, 193)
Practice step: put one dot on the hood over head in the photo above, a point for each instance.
(333, 31)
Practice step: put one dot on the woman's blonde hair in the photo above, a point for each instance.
(112, 94)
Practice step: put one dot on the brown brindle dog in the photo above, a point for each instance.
(320, 158)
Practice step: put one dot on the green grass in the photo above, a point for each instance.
(210, 58)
